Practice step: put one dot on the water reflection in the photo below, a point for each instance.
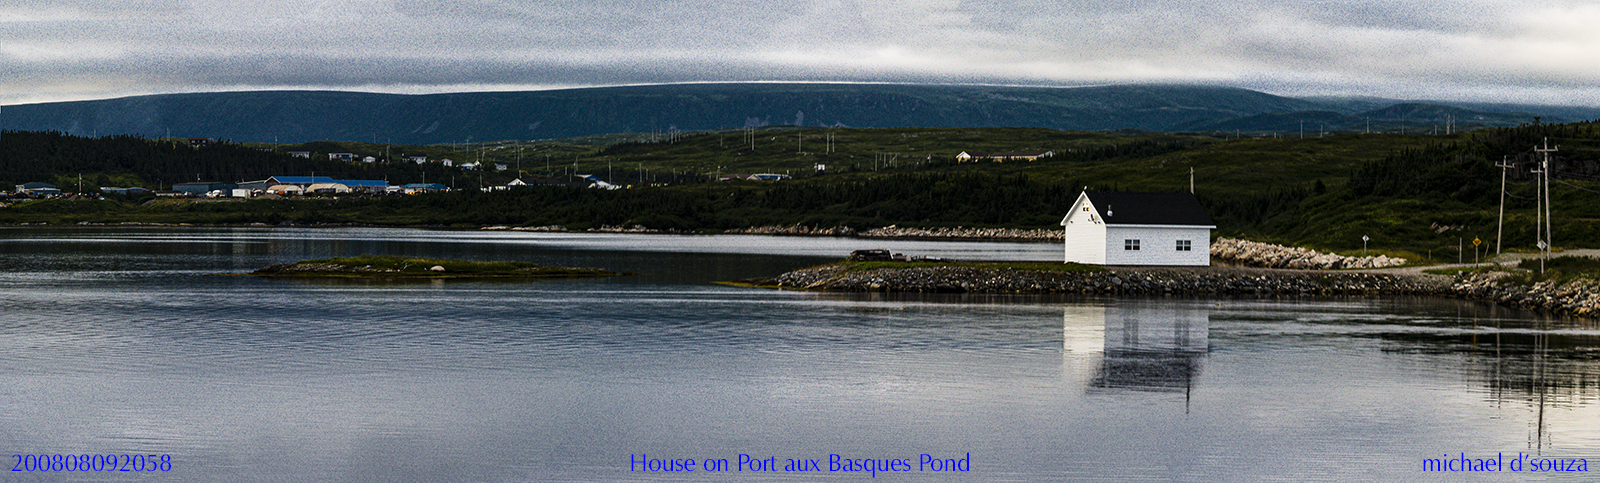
(1136, 345)
(1545, 365)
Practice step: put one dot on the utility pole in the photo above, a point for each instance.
(1500, 230)
(1191, 180)
(1538, 216)
(1549, 238)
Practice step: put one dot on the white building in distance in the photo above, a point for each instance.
(1111, 228)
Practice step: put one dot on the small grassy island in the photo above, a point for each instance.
(394, 267)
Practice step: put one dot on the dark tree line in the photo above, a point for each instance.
(54, 157)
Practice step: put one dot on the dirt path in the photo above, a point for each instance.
(1505, 259)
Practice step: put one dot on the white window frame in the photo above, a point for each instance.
(1130, 244)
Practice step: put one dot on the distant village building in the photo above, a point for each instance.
(298, 181)
(114, 190)
(596, 182)
(540, 181)
(966, 156)
(199, 142)
(302, 183)
(417, 159)
(369, 159)
(415, 188)
(285, 189)
(341, 156)
(300, 154)
(328, 188)
(753, 177)
(1111, 228)
(202, 187)
(364, 185)
(257, 185)
(38, 188)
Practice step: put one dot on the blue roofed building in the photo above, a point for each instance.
(38, 188)
(365, 185)
(302, 181)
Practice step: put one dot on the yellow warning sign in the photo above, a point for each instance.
(1476, 242)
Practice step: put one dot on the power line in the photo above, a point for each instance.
(1576, 187)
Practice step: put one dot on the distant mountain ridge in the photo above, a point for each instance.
(302, 116)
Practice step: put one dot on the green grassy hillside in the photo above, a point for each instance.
(1411, 195)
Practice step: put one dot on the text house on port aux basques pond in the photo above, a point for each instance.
(1162, 229)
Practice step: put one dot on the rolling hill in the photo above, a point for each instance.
(303, 116)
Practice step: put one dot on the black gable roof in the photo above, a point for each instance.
(1122, 208)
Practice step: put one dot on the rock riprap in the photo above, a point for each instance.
(1257, 254)
(1131, 281)
(1580, 296)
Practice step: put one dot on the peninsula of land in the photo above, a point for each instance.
(393, 267)
(1573, 290)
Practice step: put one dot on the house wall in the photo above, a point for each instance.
(1085, 235)
(1157, 246)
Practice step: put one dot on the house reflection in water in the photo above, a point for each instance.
(1136, 345)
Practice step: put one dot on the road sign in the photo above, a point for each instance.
(1364, 238)
(1541, 244)
(1476, 242)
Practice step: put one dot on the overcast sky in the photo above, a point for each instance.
(1533, 51)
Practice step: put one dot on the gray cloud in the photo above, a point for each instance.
(1475, 49)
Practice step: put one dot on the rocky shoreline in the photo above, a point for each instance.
(1110, 281)
(1579, 298)
(1267, 255)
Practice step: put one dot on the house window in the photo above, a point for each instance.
(1184, 245)
(1130, 245)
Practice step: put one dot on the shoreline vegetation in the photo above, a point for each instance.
(393, 267)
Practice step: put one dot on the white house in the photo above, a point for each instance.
(1109, 228)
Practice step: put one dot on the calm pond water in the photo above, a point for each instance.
(135, 341)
